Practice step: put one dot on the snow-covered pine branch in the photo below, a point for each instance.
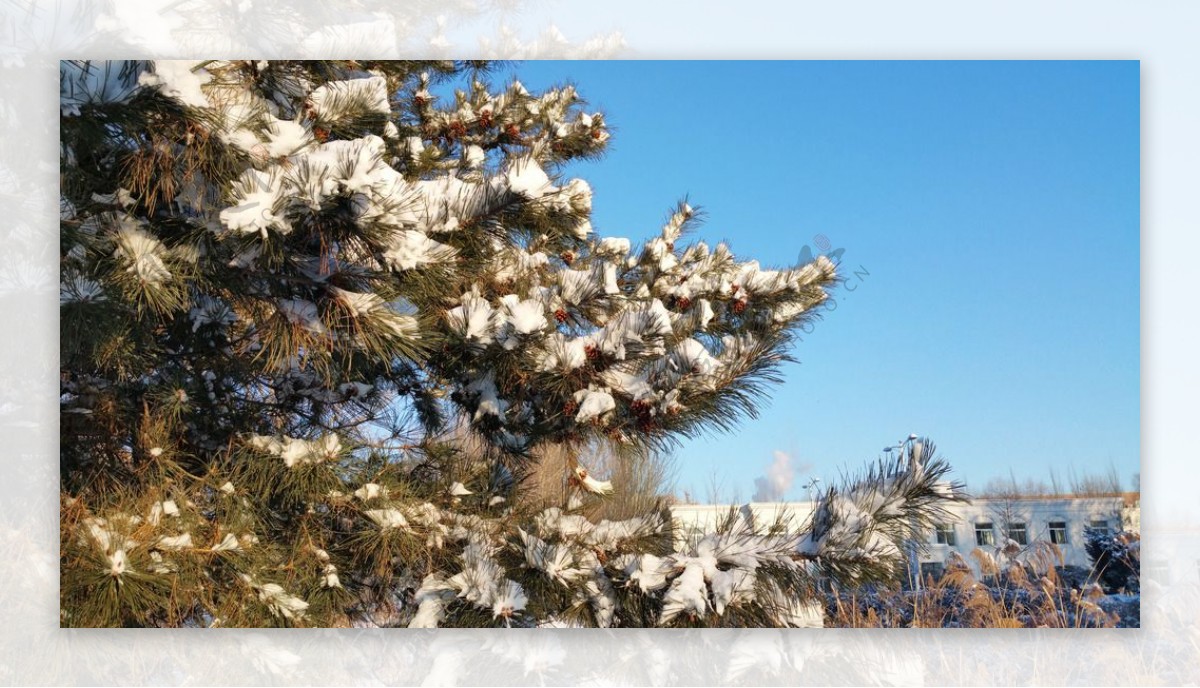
(318, 318)
(859, 532)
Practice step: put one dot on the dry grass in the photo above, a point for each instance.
(641, 480)
(1019, 594)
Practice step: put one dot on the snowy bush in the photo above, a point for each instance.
(1116, 558)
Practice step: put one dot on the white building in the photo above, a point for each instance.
(983, 522)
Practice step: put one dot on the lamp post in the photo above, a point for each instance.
(811, 486)
(915, 451)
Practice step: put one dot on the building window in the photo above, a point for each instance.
(1018, 533)
(945, 535)
(932, 569)
(1058, 532)
(984, 535)
(1100, 526)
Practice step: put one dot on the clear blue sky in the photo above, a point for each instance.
(995, 206)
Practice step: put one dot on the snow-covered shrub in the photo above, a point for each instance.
(1116, 558)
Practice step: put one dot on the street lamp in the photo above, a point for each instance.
(811, 486)
(915, 450)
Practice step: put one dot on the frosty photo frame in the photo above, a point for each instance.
(341, 347)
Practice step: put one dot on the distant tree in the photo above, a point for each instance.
(1095, 484)
(1082, 485)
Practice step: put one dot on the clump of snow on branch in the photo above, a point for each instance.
(295, 451)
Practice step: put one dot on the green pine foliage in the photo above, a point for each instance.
(317, 320)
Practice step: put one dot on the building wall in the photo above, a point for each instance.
(1117, 512)
(1036, 514)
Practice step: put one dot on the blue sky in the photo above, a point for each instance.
(994, 207)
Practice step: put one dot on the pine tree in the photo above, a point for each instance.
(316, 320)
